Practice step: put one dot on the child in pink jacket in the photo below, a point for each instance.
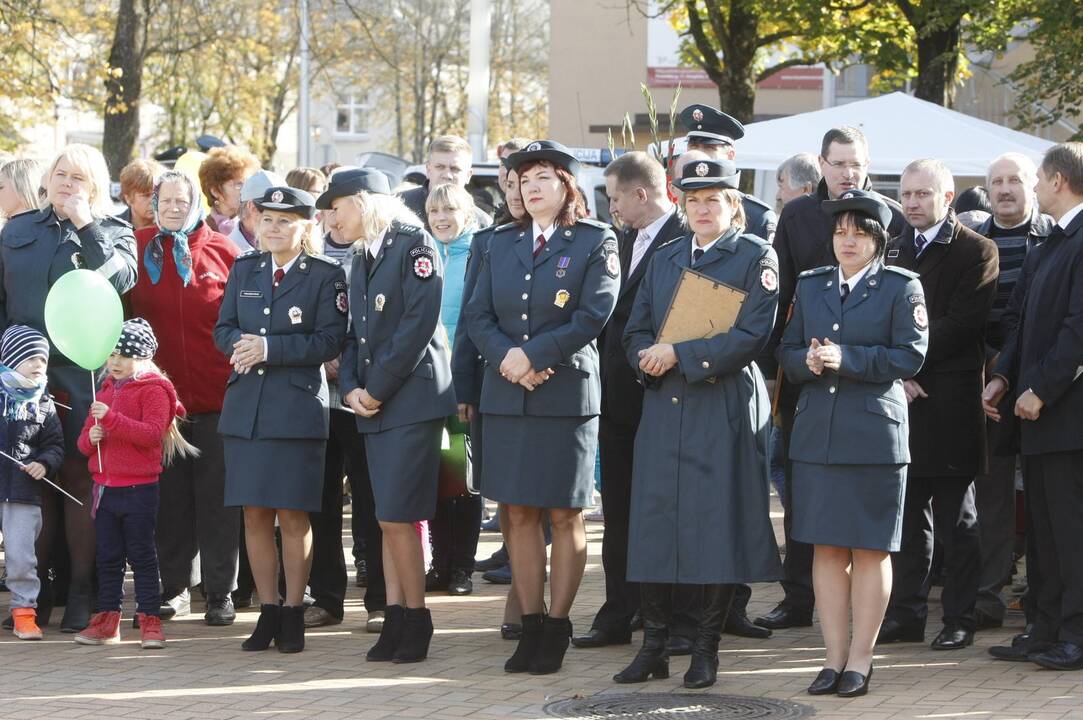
(132, 427)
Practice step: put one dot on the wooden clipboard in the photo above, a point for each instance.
(701, 308)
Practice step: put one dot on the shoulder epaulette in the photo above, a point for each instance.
(817, 271)
(249, 255)
(909, 274)
(756, 201)
(501, 228)
(408, 228)
(667, 243)
(324, 258)
(754, 239)
(595, 223)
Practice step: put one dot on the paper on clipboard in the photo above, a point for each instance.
(701, 308)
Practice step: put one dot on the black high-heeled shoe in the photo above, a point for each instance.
(854, 684)
(826, 683)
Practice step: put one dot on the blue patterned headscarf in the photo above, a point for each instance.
(154, 256)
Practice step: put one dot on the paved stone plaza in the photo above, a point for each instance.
(202, 674)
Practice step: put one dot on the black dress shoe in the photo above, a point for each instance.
(737, 623)
(1022, 646)
(597, 637)
(894, 631)
(679, 645)
(435, 581)
(953, 638)
(784, 616)
(854, 684)
(1062, 656)
(460, 583)
(220, 611)
(826, 683)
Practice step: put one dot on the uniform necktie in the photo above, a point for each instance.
(845, 292)
(639, 249)
(279, 274)
(920, 242)
(540, 244)
(697, 254)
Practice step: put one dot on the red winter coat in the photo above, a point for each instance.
(183, 318)
(140, 412)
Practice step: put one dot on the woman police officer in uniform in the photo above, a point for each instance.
(699, 512)
(395, 375)
(543, 294)
(283, 315)
(858, 329)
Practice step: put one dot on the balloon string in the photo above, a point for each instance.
(94, 398)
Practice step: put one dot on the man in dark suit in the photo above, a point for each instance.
(636, 186)
(1040, 365)
(803, 242)
(958, 270)
(450, 160)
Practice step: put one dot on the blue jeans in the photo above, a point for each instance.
(124, 522)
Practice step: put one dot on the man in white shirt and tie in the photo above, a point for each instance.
(636, 186)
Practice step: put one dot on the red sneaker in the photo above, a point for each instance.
(104, 629)
(150, 631)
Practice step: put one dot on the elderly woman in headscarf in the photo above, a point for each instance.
(183, 267)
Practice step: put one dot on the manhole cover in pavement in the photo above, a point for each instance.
(663, 706)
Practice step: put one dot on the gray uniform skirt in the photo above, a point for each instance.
(404, 464)
(851, 506)
(284, 474)
(545, 462)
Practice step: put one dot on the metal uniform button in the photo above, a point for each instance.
(367, 361)
(525, 296)
(835, 327)
(706, 364)
(526, 337)
(524, 316)
(260, 371)
(527, 276)
(831, 389)
(363, 341)
(675, 400)
(266, 311)
(263, 331)
(364, 318)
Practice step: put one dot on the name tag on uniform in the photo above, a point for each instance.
(251, 293)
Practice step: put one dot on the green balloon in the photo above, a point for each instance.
(83, 316)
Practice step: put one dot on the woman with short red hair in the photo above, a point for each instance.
(222, 176)
(544, 292)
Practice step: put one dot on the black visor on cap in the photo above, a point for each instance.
(700, 174)
(547, 150)
(287, 199)
(860, 201)
(351, 182)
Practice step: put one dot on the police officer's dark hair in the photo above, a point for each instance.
(512, 144)
(844, 135)
(575, 207)
(863, 224)
(638, 169)
(1066, 159)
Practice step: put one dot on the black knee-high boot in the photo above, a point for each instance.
(655, 606)
(703, 671)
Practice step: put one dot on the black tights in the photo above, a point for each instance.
(78, 526)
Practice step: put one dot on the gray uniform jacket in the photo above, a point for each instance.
(36, 249)
(857, 415)
(397, 349)
(700, 484)
(304, 321)
(554, 307)
(760, 218)
(467, 363)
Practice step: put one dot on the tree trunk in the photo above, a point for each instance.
(123, 88)
(737, 91)
(938, 63)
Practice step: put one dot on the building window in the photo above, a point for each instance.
(853, 82)
(352, 115)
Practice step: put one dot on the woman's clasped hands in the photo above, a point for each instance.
(820, 356)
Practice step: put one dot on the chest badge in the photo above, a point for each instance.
(562, 298)
(77, 261)
(295, 315)
(380, 300)
(562, 265)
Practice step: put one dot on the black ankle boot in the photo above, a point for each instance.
(290, 637)
(529, 643)
(416, 634)
(384, 649)
(556, 635)
(266, 629)
(77, 611)
(703, 670)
